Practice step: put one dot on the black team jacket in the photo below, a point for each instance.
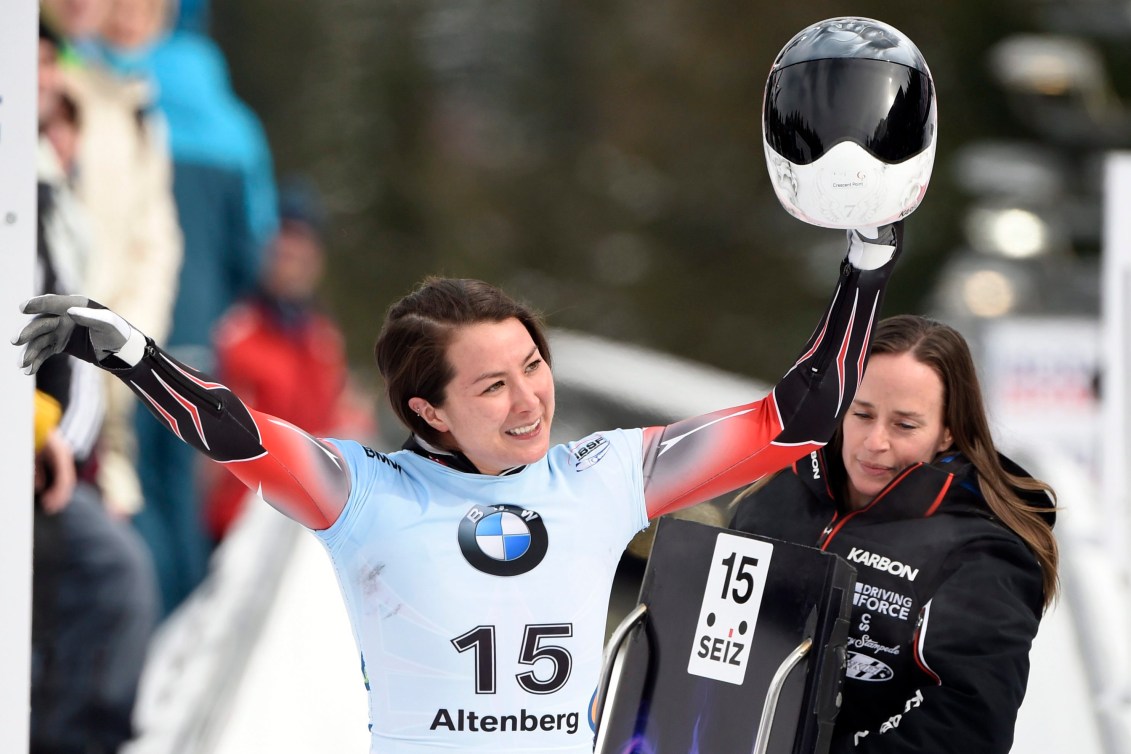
(946, 606)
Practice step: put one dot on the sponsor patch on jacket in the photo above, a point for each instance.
(882, 601)
(862, 667)
(589, 452)
(815, 465)
(882, 563)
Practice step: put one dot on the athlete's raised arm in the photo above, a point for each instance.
(697, 459)
(302, 477)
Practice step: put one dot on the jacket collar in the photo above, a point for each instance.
(453, 459)
(949, 483)
(918, 491)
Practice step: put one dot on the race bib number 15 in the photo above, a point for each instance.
(730, 607)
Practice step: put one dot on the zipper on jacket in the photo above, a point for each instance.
(826, 535)
(823, 539)
(204, 399)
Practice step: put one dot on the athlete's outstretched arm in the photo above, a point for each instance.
(302, 477)
(697, 459)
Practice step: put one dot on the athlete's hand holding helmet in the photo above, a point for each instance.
(849, 127)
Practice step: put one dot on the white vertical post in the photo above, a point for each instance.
(1116, 379)
(18, 91)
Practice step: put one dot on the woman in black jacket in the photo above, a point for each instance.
(952, 545)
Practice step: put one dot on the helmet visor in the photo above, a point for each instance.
(812, 106)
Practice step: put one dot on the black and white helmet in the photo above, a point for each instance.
(849, 124)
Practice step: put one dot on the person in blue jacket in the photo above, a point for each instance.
(226, 201)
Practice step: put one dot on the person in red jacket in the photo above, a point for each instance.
(283, 354)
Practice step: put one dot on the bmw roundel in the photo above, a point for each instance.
(502, 540)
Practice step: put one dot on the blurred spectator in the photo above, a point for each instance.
(62, 130)
(223, 187)
(281, 352)
(54, 463)
(67, 227)
(223, 183)
(194, 16)
(122, 177)
(94, 594)
(75, 21)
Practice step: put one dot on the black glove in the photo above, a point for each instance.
(80, 327)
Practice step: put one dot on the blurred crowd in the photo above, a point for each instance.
(158, 198)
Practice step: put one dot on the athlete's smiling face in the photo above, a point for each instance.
(895, 420)
(499, 404)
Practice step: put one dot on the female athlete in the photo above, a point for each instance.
(476, 562)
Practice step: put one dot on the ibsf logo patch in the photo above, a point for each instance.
(502, 540)
(588, 453)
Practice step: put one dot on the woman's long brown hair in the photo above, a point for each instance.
(944, 350)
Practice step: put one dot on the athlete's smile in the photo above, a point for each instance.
(528, 430)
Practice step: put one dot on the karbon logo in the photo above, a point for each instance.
(502, 540)
(882, 563)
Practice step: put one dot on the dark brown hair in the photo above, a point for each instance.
(412, 347)
(945, 351)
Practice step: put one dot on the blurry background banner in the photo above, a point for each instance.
(17, 250)
(1040, 376)
(1116, 479)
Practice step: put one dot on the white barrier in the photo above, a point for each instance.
(1116, 384)
(198, 657)
(17, 254)
(1077, 668)
(1115, 492)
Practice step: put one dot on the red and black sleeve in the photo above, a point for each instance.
(697, 459)
(303, 477)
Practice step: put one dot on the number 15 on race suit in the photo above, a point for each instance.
(729, 612)
(481, 641)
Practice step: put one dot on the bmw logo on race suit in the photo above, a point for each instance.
(502, 540)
